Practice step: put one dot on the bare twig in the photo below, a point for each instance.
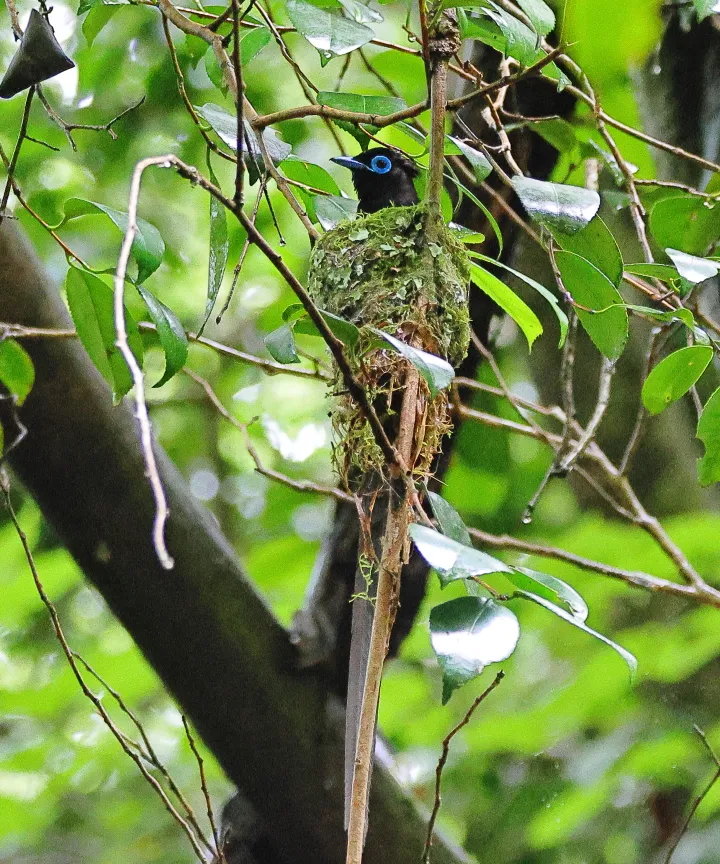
(700, 798)
(444, 757)
(146, 438)
(120, 737)
(16, 153)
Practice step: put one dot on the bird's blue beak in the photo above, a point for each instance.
(349, 162)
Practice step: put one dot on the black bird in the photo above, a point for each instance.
(382, 178)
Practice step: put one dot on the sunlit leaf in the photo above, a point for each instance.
(171, 333)
(453, 560)
(674, 376)
(549, 587)
(576, 622)
(708, 431)
(98, 17)
(438, 373)
(556, 205)
(148, 247)
(17, 372)
(331, 210)
(592, 289)
(521, 42)
(467, 634)
(281, 345)
(691, 267)
(449, 520)
(328, 31)
(361, 12)
(478, 160)
(225, 125)
(508, 301)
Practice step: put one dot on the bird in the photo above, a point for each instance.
(382, 178)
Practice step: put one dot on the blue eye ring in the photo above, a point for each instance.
(380, 164)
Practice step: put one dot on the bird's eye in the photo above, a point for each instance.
(380, 164)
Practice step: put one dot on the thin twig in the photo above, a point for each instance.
(120, 737)
(146, 438)
(444, 757)
(204, 787)
(700, 798)
(16, 153)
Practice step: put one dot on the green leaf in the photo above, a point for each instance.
(684, 316)
(310, 174)
(17, 371)
(377, 105)
(92, 310)
(98, 17)
(708, 431)
(555, 205)
(219, 246)
(466, 235)
(451, 559)
(478, 203)
(252, 43)
(549, 587)
(438, 373)
(331, 210)
(705, 8)
(361, 13)
(467, 634)
(691, 267)
(685, 222)
(281, 345)
(449, 520)
(576, 622)
(483, 30)
(478, 161)
(225, 125)
(170, 332)
(597, 245)
(344, 330)
(508, 301)
(541, 289)
(148, 247)
(663, 272)
(592, 289)
(557, 132)
(521, 42)
(674, 376)
(540, 14)
(330, 32)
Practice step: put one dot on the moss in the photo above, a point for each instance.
(380, 270)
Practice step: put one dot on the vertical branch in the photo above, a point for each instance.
(391, 561)
(239, 102)
(443, 42)
(16, 153)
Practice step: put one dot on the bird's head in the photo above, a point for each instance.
(382, 178)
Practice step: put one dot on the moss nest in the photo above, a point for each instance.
(380, 270)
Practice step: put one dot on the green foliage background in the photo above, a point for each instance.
(566, 762)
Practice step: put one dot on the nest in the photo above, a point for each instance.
(380, 270)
